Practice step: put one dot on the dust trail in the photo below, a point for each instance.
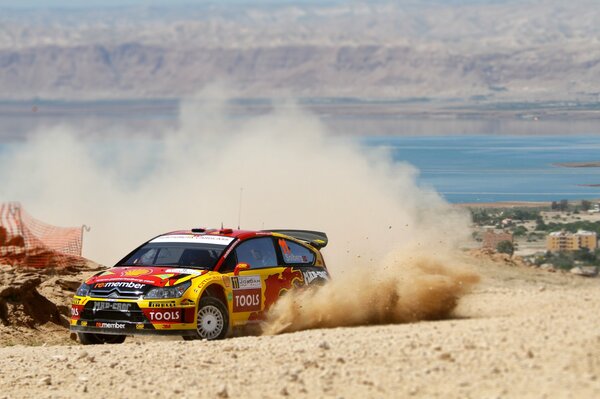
(295, 174)
(409, 286)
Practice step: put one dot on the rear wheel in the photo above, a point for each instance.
(213, 320)
(98, 339)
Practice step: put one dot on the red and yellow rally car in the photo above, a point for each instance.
(196, 283)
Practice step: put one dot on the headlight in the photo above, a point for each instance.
(83, 290)
(168, 292)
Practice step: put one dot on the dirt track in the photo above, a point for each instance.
(521, 333)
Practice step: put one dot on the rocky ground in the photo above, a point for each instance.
(522, 332)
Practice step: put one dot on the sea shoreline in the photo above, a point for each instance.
(594, 164)
(505, 204)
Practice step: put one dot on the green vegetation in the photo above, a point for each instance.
(568, 260)
(572, 227)
(505, 247)
(586, 205)
(519, 231)
(495, 216)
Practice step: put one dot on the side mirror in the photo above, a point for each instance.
(239, 267)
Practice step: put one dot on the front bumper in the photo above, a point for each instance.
(127, 317)
(132, 331)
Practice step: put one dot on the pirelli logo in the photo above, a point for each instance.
(170, 304)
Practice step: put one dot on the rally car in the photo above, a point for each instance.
(198, 283)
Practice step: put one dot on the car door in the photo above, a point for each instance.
(249, 286)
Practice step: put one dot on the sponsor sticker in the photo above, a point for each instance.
(139, 326)
(226, 282)
(245, 282)
(289, 258)
(248, 300)
(118, 306)
(76, 311)
(189, 238)
(163, 315)
(137, 272)
(185, 271)
(170, 304)
(312, 275)
(120, 284)
(110, 325)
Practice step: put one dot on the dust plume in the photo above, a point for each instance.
(292, 173)
(409, 286)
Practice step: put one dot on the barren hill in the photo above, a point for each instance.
(473, 51)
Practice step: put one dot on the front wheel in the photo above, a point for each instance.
(99, 339)
(213, 319)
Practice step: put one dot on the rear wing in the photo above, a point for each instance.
(315, 238)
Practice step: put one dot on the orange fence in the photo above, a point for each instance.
(26, 241)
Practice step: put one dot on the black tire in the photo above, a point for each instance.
(99, 339)
(212, 320)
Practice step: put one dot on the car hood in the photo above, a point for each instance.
(151, 275)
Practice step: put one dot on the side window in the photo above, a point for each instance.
(257, 252)
(294, 253)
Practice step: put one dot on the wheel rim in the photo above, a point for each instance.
(210, 322)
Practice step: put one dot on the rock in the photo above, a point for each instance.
(577, 271)
(45, 380)
(548, 267)
(584, 271)
(324, 345)
(222, 393)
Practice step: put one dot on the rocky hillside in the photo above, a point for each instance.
(496, 51)
(35, 304)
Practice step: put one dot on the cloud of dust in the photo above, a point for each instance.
(290, 171)
(410, 285)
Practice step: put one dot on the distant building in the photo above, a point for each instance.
(491, 238)
(566, 241)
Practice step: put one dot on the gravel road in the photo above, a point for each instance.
(521, 333)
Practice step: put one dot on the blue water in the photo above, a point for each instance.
(500, 168)
(486, 168)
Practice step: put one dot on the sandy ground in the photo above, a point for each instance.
(521, 333)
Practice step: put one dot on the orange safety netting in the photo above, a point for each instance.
(26, 241)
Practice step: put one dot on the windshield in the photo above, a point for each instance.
(197, 256)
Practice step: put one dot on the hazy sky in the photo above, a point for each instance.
(113, 3)
(100, 3)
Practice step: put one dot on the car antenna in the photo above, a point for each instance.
(240, 207)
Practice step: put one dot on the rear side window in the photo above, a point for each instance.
(258, 252)
(295, 254)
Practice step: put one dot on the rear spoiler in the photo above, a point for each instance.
(315, 238)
